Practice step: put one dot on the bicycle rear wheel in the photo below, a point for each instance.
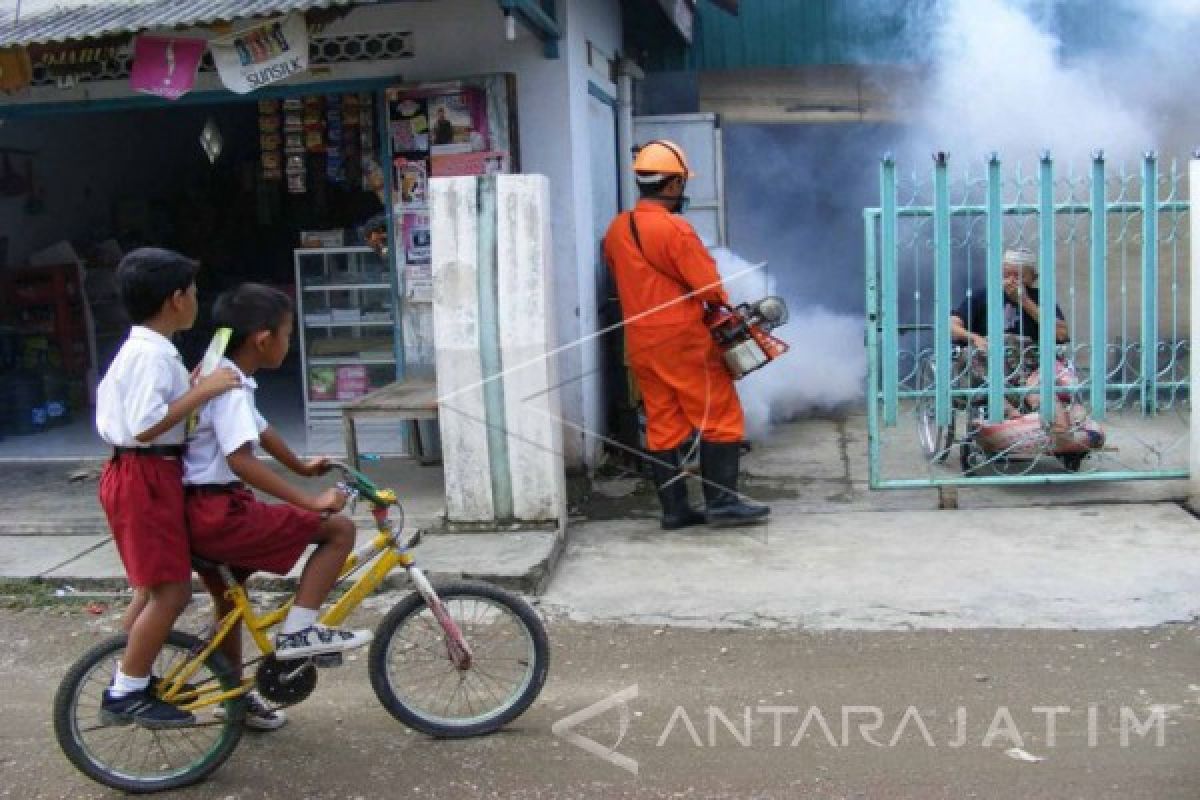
(418, 683)
(132, 758)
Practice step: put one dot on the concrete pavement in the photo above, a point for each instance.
(52, 529)
(1082, 567)
(836, 554)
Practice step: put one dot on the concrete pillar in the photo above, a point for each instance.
(493, 328)
(454, 231)
(1194, 325)
(527, 335)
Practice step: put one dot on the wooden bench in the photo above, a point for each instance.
(407, 400)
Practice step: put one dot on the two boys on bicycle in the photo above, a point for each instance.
(164, 500)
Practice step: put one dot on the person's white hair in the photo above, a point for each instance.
(1021, 257)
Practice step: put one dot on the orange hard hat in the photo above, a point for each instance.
(661, 158)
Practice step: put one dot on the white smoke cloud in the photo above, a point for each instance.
(824, 369)
(1000, 84)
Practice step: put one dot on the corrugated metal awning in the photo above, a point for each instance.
(95, 18)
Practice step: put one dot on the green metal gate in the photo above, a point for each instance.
(1112, 250)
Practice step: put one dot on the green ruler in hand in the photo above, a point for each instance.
(208, 364)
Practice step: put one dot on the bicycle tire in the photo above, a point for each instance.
(412, 607)
(935, 440)
(69, 733)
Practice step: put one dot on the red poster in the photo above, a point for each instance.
(165, 66)
(457, 165)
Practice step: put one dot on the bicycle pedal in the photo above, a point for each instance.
(328, 660)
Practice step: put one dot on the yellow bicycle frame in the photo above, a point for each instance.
(383, 548)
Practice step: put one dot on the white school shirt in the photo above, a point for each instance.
(226, 423)
(145, 377)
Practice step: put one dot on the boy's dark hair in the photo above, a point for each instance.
(249, 309)
(150, 276)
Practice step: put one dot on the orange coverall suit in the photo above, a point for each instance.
(678, 366)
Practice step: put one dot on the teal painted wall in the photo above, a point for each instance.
(783, 33)
(775, 33)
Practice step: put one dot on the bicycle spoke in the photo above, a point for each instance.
(131, 753)
(427, 680)
(483, 684)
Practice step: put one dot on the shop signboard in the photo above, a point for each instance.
(165, 65)
(261, 55)
(86, 57)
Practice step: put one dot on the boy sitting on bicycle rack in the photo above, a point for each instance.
(229, 525)
(141, 408)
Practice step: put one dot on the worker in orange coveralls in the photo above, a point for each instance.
(664, 278)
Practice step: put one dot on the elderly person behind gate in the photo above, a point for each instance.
(1022, 317)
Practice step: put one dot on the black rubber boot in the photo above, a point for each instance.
(719, 467)
(672, 491)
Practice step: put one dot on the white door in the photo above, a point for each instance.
(700, 137)
(602, 149)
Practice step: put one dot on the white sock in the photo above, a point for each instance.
(123, 684)
(299, 618)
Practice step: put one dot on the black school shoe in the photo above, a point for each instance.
(144, 709)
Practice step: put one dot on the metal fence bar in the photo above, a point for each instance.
(889, 280)
(1047, 319)
(1027, 210)
(1149, 283)
(941, 289)
(1099, 281)
(1173, 237)
(870, 228)
(1029, 480)
(995, 289)
(1114, 389)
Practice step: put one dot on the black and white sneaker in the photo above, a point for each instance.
(318, 639)
(144, 709)
(259, 715)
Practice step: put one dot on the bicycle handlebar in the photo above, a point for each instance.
(365, 487)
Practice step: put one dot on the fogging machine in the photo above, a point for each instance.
(743, 333)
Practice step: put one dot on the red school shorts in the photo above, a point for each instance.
(235, 528)
(142, 496)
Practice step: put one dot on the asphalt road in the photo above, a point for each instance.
(929, 701)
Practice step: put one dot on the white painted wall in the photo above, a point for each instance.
(456, 38)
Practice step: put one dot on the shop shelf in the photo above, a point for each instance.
(347, 287)
(340, 289)
(333, 361)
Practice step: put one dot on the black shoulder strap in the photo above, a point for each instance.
(633, 229)
(637, 239)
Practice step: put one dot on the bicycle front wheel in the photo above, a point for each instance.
(418, 683)
(132, 758)
(936, 440)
